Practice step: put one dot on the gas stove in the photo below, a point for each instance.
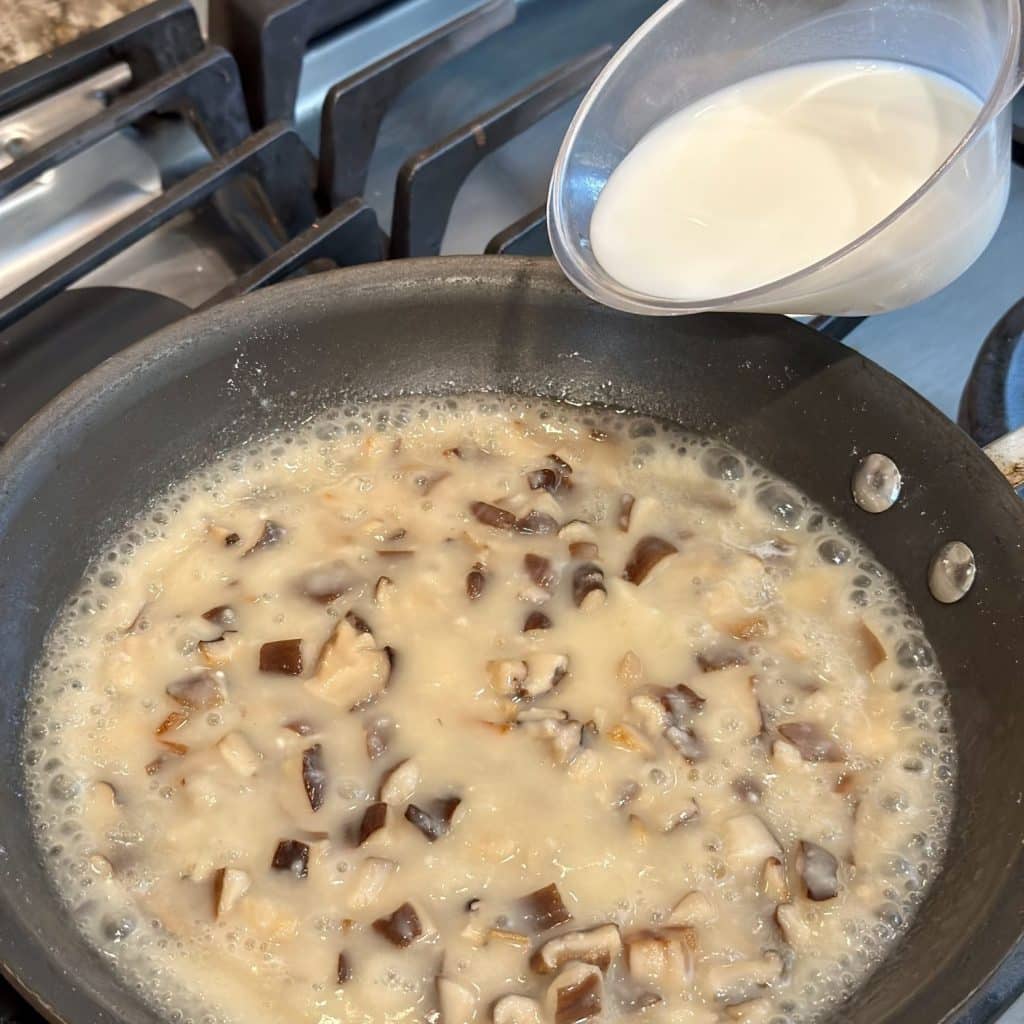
(184, 155)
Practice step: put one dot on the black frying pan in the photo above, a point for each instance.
(805, 406)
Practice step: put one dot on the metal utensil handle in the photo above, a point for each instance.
(1007, 452)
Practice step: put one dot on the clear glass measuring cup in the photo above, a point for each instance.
(692, 48)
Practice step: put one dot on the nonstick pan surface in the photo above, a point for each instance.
(805, 406)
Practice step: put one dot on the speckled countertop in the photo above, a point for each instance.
(31, 27)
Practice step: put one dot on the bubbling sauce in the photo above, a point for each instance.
(489, 709)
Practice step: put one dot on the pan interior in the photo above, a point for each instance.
(805, 407)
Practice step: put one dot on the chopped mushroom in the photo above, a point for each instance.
(516, 1010)
(598, 946)
(351, 670)
(773, 880)
(229, 886)
(647, 555)
(344, 972)
(748, 841)
(661, 958)
(403, 927)
(368, 881)
(273, 533)
(282, 656)
(200, 690)
(743, 980)
(716, 659)
(819, 871)
(222, 615)
(476, 580)
(374, 818)
(544, 909)
(291, 855)
(540, 570)
(588, 589)
(693, 909)
(812, 741)
(536, 620)
(491, 515)
(576, 995)
(536, 522)
(435, 822)
(238, 752)
(383, 591)
(456, 1002)
(314, 776)
(400, 782)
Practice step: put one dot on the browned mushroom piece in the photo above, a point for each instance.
(375, 817)
(536, 523)
(598, 946)
(588, 589)
(584, 550)
(540, 570)
(344, 972)
(818, 870)
(811, 740)
(283, 657)
(626, 503)
(222, 615)
(536, 620)
(686, 741)
(326, 583)
(403, 927)
(437, 820)
(199, 690)
(383, 591)
(300, 727)
(476, 580)
(662, 957)
(351, 670)
(492, 515)
(229, 886)
(648, 553)
(715, 659)
(544, 909)
(576, 995)
(174, 721)
(291, 855)
(273, 533)
(231, 540)
(314, 776)
(545, 479)
(681, 701)
(748, 789)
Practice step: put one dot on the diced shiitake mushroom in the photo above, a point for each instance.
(646, 557)
(375, 818)
(399, 784)
(229, 886)
(291, 855)
(239, 754)
(536, 620)
(404, 926)
(743, 980)
(272, 533)
(663, 958)
(344, 972)
(283, 657)
(597, 946)
(476, 581)
(492, 515)
(351, 670)
(544, 909)
(576, 995)
(748, 843)
(368, 881)
(812, 741)
(314, 776)
(588, 589)
(199, 690)
(435, 821)
(456, 1002)
(693, 910)
(819, 871)
(516, 1010)
(529, 678)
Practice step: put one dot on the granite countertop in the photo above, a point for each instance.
(31, 27)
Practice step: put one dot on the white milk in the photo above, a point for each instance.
(764, 178)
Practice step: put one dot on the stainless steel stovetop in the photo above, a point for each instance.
(107, 147)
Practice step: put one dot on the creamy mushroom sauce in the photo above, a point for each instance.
(489, 710)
